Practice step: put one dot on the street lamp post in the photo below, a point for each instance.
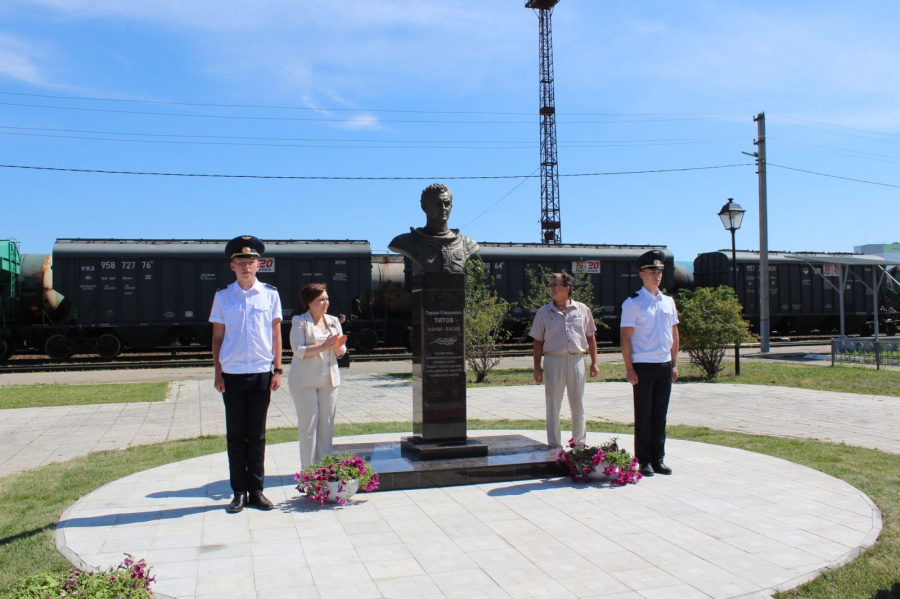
(732, 214)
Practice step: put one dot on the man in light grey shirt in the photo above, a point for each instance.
(562, 331)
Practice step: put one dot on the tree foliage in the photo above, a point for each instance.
(484, 319)
(538, 293)
(710, 321)
(538, 289)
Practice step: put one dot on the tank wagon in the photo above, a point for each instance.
(800, 300)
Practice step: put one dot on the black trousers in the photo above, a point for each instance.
(651, 404)
(246, 399)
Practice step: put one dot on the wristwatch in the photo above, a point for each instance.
(277, 371)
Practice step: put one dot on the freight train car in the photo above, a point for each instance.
(610, 269)
(145, 293)
(10, 274)
(800, 300)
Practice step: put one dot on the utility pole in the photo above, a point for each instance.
(760, 143)
(550, 217)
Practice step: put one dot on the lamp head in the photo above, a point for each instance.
(731, 214)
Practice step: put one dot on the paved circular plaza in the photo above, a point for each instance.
(728, 523)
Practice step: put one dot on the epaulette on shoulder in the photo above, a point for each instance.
(221, 288)
(634, 295)
(272, 287)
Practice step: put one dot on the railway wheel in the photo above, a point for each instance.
(108, 346)
(366, 340)
(6, 347)
(58, 347)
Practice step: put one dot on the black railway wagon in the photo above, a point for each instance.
(143, 293)
(800, 300)
(611, 269)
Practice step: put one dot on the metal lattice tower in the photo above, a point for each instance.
(550, 218)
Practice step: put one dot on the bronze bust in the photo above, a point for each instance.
(435, 247)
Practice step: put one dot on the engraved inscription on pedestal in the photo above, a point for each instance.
(439, 371)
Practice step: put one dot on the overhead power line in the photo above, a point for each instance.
(831, 131)
(792, 118)
(836, 151)
(360, 120)
(342, 178)
(234, 140)
(345, 109)
(430, 178)
(800, 170)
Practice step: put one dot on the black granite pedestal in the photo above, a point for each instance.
(510, 457)
(439, 370)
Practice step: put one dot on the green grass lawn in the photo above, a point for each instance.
(43, 396)
(36, 499)
(843, 378)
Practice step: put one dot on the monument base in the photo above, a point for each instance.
(511, 456)
(420, 449)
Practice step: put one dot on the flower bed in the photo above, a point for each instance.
(130, 580)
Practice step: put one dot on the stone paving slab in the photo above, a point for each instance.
(33, 437)
(728, 523)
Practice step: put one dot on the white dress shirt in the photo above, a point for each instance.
(652, 318)
(248, 317)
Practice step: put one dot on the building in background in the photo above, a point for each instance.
(888, 251)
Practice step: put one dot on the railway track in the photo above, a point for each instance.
(34, 364)
(200, 359)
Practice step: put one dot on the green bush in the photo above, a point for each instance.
(484, 320)
(710, 320)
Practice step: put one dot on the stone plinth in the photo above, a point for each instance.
(509, 457)
(439, 369)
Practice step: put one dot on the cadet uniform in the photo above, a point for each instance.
(244, 358)
(650, 350)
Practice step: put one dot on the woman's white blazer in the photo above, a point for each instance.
(319, 370)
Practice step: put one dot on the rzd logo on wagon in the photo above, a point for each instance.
(266, 265)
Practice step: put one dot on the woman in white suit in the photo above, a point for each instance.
(318, 342)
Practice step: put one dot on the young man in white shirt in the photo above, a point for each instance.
(649, 337)
(246, 347)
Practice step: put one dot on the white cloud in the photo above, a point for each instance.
(17, 61)
(817, 57)
(352, 47)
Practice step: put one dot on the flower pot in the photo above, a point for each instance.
(346, 493)
(598, 472)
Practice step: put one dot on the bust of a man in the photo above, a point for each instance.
(435, 247)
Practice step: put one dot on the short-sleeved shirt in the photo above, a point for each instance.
(563, 331)
(652, 318)
(248, 317)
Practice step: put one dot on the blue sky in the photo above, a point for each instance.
(417, 92)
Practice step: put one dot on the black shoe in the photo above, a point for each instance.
(259, 501)
(660, 468)
(646, 470)
(237, 504)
